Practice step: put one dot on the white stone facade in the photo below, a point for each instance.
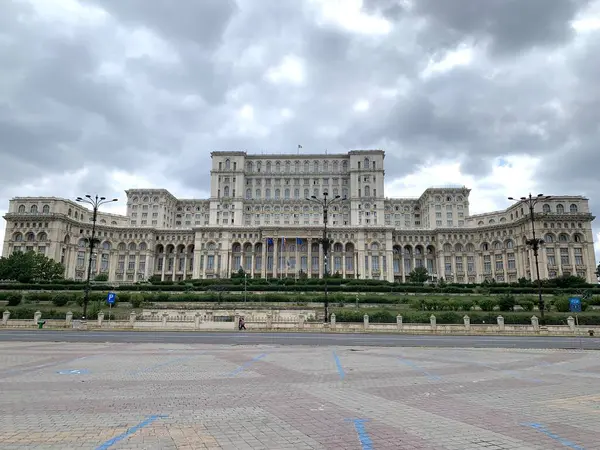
(259, 199)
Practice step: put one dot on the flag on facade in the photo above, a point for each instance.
(299, 241)
(269, 241)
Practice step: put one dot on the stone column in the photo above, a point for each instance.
(100, 318)
(236, 321)
(69, 319)
(366, 321)
(535, 323)
(269, 321)
(37, 316)
(197, 317)
(165, 316)
(332, 321)
(433, 322)
(300, 321)
(500, 321)
(570, 322)
(5, 317)
(132, 317)
(467, 322)
(399, 324)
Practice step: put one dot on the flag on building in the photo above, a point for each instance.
(299, 241)
(270, 241)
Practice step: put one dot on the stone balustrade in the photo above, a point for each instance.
(216, 321)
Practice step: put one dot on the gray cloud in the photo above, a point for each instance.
(152, 82)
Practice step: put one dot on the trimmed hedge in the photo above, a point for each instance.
(334, 285)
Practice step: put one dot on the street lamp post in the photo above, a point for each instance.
(325, 241)
(95, 202)
(535, 244)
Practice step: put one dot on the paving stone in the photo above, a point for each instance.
(170, 396)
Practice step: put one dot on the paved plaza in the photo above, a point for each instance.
(199, 396)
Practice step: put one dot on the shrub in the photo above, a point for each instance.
(527, 305)
(60, 300)
(14, 299)
(487, 304)
(506, 302)
(136, 300)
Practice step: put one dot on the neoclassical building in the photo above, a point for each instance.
(257, 218)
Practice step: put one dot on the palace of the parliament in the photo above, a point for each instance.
(258, 218)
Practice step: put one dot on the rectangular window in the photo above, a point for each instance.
(270, 262)
(550, 256)
(499, 263)
(448, 264)
(578, 256)
(349, 262)
(511, 261)
(458, 261)
(487, 264)
(210, 263)
(315, 264)
(564, 256)
(375, 263)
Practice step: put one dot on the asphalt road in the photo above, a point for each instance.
(315, 339)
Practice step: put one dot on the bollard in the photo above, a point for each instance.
(5, 317)
(467, 322)
(332, 321)
(366, 321)
(69, 319)
(500, 321)
(399, 324)
(571, 323)
(433, 322)
(100, 318)
(535, 323)
(301, 321)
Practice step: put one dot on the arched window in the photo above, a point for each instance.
(227, 164)
(287, 194)
(573, 208)
(546, 208)
(345, 166)
(297, 167)
(296, 193)
(249, 166)
(46, 209)
(30, 237)
(122, 247)
(106, 245)
(509, 244)
(277, 193)
(563, 238)
(268, 194)
(367, 191)
(316, 166)
(548, 238)
(336, 167)
(34, 209)
(18, 237)
(366, 164)
(21, 208)
(143, 247)
(277, 167)
(560, 209)
(42, 237)
(306, 193)
(287, 167)
(268, 166)
(226, 191)
(257, 193)
(447, 248)
(306, 167)
(248, 194)
(326, 166)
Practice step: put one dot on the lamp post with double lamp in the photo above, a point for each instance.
(535, 243)
(325, 203)
(95, 202)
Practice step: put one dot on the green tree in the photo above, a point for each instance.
(598, 271)
(30, 266)
(418, 275)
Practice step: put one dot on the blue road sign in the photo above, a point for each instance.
(111, 298)
(575, 304)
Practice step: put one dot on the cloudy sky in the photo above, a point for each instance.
(102, 95)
